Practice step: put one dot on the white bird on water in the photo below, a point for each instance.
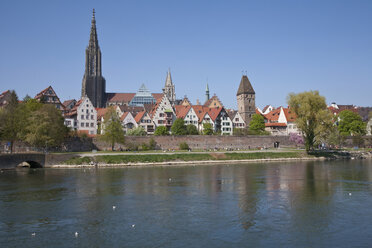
(113, 207)
(76, 234)
(133, 225)
(33, 234)
(170, 179)
(349, 193)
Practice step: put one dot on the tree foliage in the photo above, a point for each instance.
(11, 121)
(138, 131)
(179, 127)
(351, 123)
(191, 130)
(313, 117)
(45, 127)
(207, 129)
(257, 123)
(161, 130)
(113, 130)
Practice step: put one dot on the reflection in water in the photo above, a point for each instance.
(274, 204)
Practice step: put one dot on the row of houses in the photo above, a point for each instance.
(83, 117)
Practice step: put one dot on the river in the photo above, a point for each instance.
(296, 204)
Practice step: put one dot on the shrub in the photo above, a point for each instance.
(184, 146)
(161, 130)
(152, 144)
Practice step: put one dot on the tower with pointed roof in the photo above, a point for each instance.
(94, 84)
(169, 89)
(246, 100)
(207, 93)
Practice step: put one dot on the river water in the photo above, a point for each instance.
(296, 204)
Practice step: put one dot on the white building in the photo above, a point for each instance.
(86, 116)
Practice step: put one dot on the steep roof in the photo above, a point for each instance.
(139, 116)
(68, 102)
(213, 98)
(157, 95)
(289, 115)
(181, 110)
(122, 117)
(245, 86)
(214, 112)
(273, 116)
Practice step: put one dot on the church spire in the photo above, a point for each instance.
(94, 85)
(168, 80)
(206, 93)
(93, 41)
(169, 89)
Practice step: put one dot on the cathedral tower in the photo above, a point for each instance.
(168, 89)
(207, 93)
(246, 100)
(94, 85)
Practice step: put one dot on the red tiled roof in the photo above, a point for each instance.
(157, 95)
(68, 102)
(200, 111)
(101, 112)
(122, 117)
(120, 97)
(182, 110)
(214, 112)
(139, 116)
(289, 115)
(275, 124)
(207, 103)
(265, 108)
(273, 116)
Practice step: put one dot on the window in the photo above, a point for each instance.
(82, 124)
(82, 110)
(161, 115)
(92, 124)
(82, 117)
(160, 121)
(92, 117)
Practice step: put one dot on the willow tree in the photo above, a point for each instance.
(112, 128)
(313, 118)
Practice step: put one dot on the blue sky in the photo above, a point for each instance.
(285, 46)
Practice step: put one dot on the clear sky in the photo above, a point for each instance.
(285, 46)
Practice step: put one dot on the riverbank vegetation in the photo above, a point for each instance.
(157, 158)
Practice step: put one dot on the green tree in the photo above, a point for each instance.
(138, 131)
(178, 127)
(161, 130)
(207, 129)
(257, 124)
(191, 130)
(113, 130)
(351, 123)
(11, 121)
(312, 115)
(45, 127)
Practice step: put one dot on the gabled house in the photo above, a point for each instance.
(49, 96)
(144, 120)
(203, 116)
(213, 102)
(127, 121)
(188, 114)
(281, 121)
(237, 119)
(82, 117)
(162, 114)
(222, 121)
(86, 116)
(101, 112)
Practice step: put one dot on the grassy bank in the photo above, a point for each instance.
(156, 158)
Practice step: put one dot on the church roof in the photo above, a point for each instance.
(245, 86)
(168, 80)
(120, 97)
